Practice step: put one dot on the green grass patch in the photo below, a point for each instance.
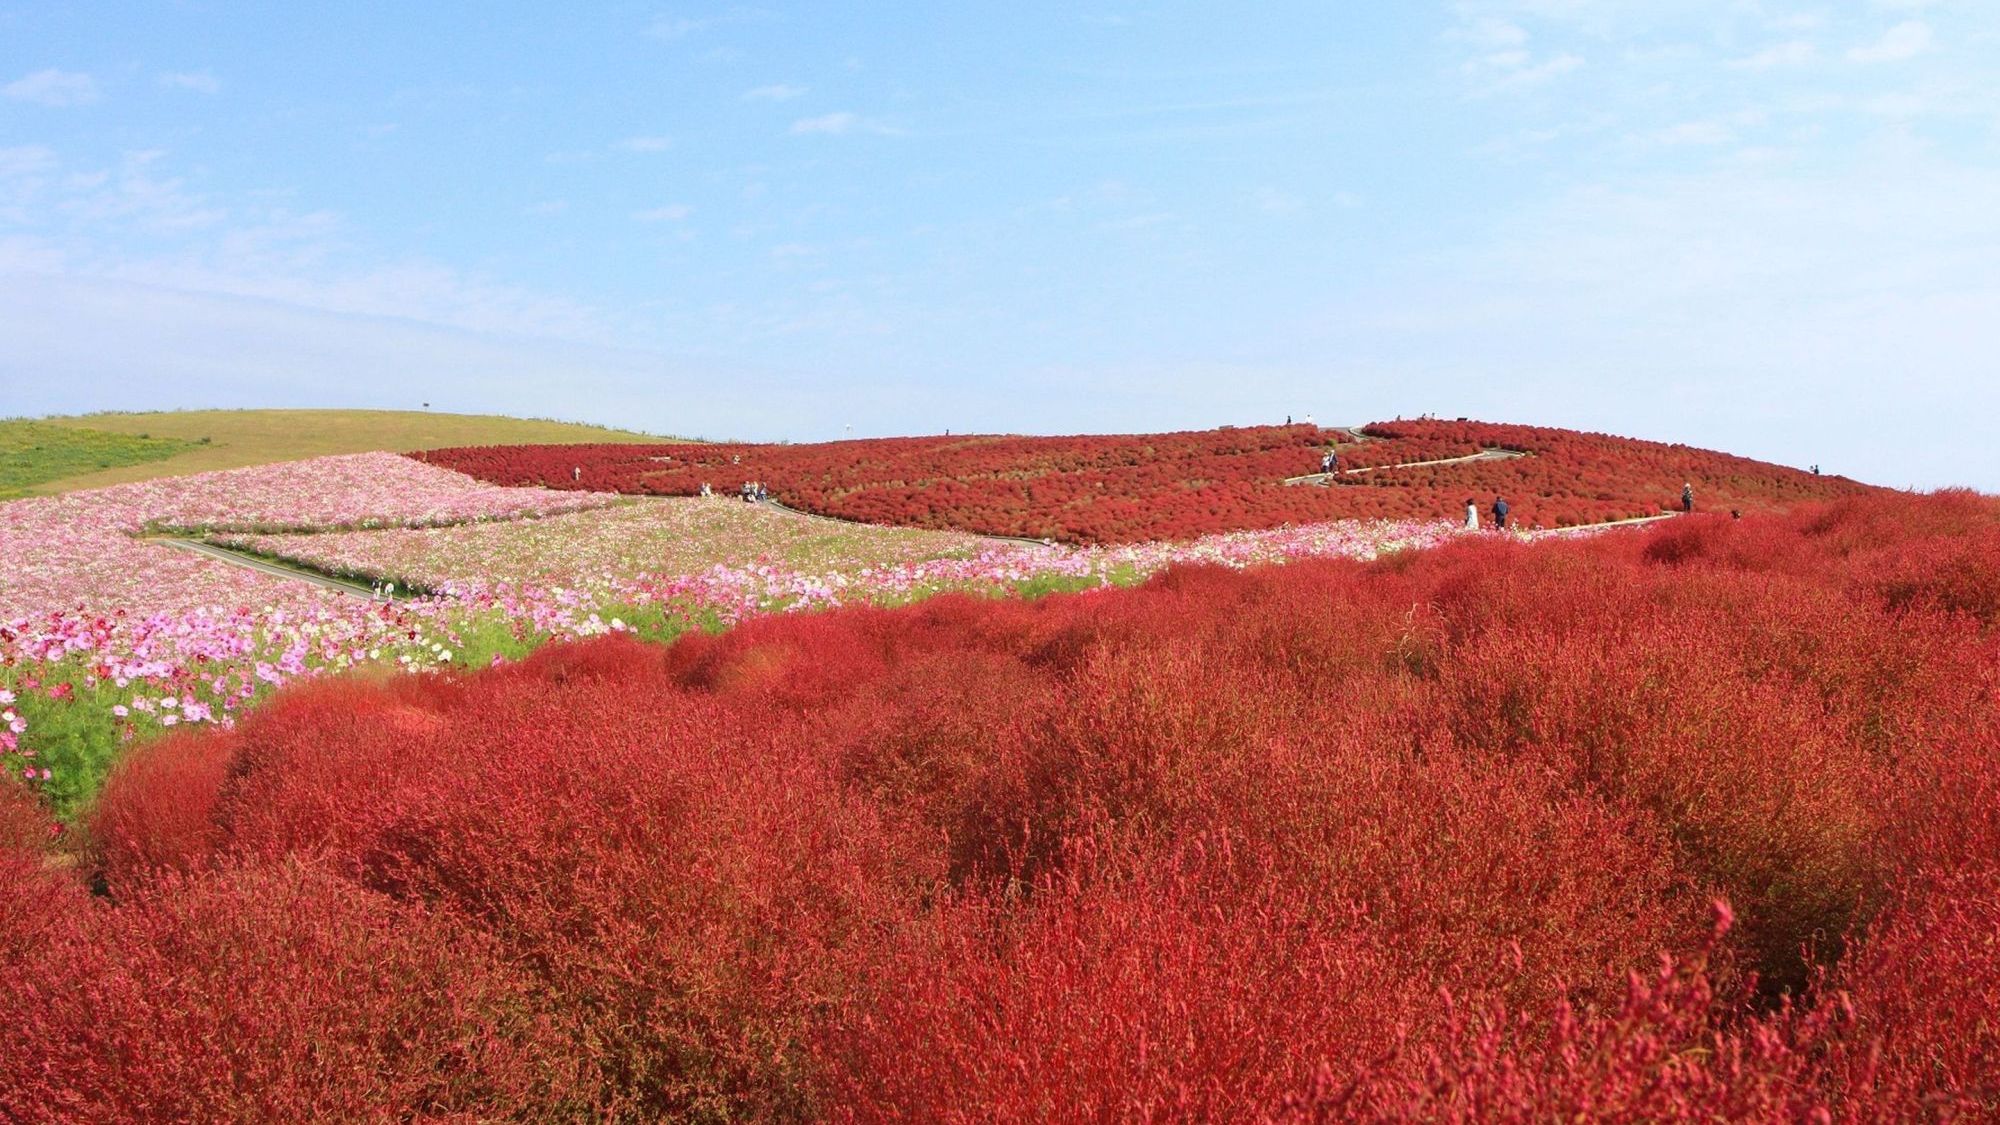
(235, 439)
(33, 453)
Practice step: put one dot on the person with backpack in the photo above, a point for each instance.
(1500, 512)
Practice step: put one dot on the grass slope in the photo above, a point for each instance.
(236, 438)
(34, 453)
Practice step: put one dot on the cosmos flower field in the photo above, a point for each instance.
(106, 635)
(677, 808)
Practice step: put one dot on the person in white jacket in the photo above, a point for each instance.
(1472, 515)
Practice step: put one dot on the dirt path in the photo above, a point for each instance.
(1322, 479)
(1631, 522)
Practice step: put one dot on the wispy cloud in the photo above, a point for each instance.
(646, 144)
(671, 28)
(1502, 59)
(25, 160)
(53, 88)
(1900, 43)
(840, 123)
(1272, 201)
(1695, 133)
(1137, 222)
(777, 92)
(835, 123)
(671, 213)
(199, 81)
(1796, 52)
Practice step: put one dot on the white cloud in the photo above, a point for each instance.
(1900, 43)
(1137, 222)
(1502, 58)
(1505, 71)
(1695, 133)
(1271, 201)
(53, 88)
(841, 122)
(1799, 21)
(83, 220)
(835, 123)
(26, 160)
(1797, 52)
(199, 81)
(672, 28)
(678, 27)
(1843, 316)
(671, 213)
(777, 92)
(646, 144)
(1492, 33)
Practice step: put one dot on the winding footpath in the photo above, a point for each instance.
(1324, 479)
(251, 562)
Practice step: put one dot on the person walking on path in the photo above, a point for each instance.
(1687, 497)
(1472, 515)
(1500, 512)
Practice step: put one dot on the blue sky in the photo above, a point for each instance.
(1768, 227)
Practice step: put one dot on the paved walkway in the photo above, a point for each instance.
(251, 562)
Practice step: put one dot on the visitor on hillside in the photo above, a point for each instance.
(1500, 513)
(705, 490)
(1329, 462)
(576, 474)
(763, 493)
(1687, 497)
(1471, 515)
(746, 492)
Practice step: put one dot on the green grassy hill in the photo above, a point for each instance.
(34, 453)
(50, 455)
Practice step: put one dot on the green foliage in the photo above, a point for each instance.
(33, 453)
(76, 737)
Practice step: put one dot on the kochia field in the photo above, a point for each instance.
(1695, 822)
(1127, 488)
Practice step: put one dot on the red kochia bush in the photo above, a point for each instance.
(1439, 837)
(161, 815)
(1121, 488)
(272, 993)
